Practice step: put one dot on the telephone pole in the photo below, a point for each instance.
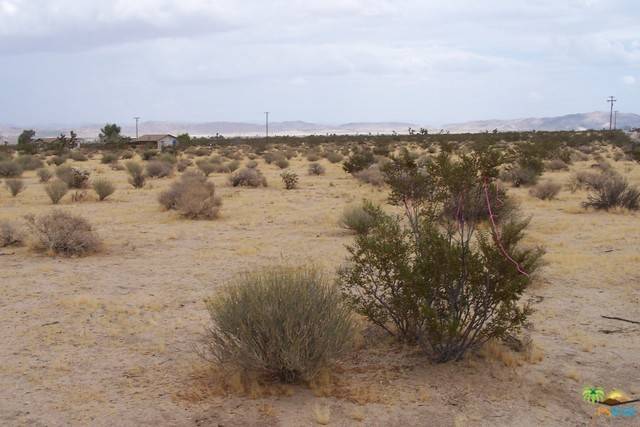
(137, 119)
(266, 114)
(611, 100)
(615, 120)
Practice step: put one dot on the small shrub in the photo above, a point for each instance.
(251, 164)
(127, 155)
(61, 233)
(611, 191)
(44, 174)
(285, 323)
(372, 175)
(206, 166)
(358, 161)
(183, 164)
(57, 160)
(167, 158)
(233, 165)
(520, 176)
(158, 169)
(290, 179)
(192, 196)
(149, 154)
(78, 156)
(358, 218)
(136, 175)
(56, 190)
(79, 196)
(316, 169)
(547, 190)
(556, 165)
(313, 156)
(73, 177)
(334, 157)
(28, 162)
(282, 163)
(10, 169)
(103, 188)
(9, 234)
(248, 177)
(14, 185)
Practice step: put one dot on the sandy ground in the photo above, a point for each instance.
(109, 339)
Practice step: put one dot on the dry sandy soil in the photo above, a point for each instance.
(109, 339)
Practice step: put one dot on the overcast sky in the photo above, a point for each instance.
(331, 61)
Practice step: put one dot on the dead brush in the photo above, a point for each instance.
(192, 196)
(61, 233)
(15, 186)
(10, 235)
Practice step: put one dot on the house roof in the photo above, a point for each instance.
(153, 137)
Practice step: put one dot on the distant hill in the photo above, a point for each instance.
(582, 121)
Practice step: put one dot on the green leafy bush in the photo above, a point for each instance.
(358, 161)
(445, 284)
(286, 323)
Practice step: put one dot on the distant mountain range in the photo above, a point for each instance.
(582, 121)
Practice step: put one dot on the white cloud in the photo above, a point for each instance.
(629, 80)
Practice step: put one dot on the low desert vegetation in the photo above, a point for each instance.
(61, 233)
(316, 169)
(10, 234)
(73, 177)
(44, 174)
(15, 186)
(289, 179)
(29, 162)
(103, 188)
(56, 190)
(248, 177)
(547, 190)
(611, 190)
(193, 196)
(285, 323)
(371, 175)
(136, 174)
(359, 218)
(158, 169)
(10, 169)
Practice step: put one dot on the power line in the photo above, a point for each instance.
(611, 100)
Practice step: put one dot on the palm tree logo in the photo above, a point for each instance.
(593, 394)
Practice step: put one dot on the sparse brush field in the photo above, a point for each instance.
(118, 332)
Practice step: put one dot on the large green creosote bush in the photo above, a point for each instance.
(284, 322)
(439, 278)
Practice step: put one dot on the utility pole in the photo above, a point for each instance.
(611, 100)
(266, 114)
(615, 120)
(137, 119)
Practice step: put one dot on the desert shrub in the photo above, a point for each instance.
(282, 163)
(273, 157)
(103, 188)
(44, 174)
(14, 185)
(136, 175)
(603, 165)
(372, 175)
(149, 154)
(619, 155)
(233, 165)
(358, 161)
(192, 196)
(29, 162)
(610, 191)
(334, 157)
(251, 164)
(584, 179)
(547, 190)
(520, 176)
(183, 164)
(127, 155)
(167, 158)
(73, 177)
(447, 285)
(79, 196)
(109, 157)
(313, 156)
(556, 165)
(56, 190)
(286, 323)
(10, 169)
(359, 218)
(9, 234)
(57, 160)
(61, 233)
(158, 169)
(78, 156)
(290, 179)
(248, 177)
(316, 169)
(206, 166)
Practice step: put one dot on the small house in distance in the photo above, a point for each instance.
(161, 141)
